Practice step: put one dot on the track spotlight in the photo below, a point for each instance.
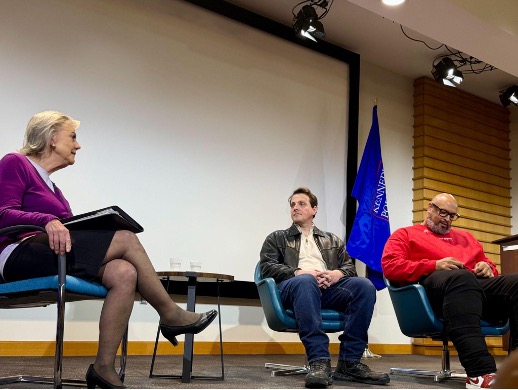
(306, 21)
(306, 24)
(447, 73)
(509, 95)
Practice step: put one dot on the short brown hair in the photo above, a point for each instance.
(313, 201)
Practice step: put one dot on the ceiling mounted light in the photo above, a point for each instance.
(306, 21)
(510, 95)
(392, 2)
(307, 24)
(447, 73)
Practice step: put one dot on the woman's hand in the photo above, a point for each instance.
(59, 237)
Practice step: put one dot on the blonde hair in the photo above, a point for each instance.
(40, 130)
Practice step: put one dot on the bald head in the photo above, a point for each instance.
(442, 210)
(445, 199)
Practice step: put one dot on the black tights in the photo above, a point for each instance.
(463, 300)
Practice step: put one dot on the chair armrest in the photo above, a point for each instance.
(16, 229)
(8, 231)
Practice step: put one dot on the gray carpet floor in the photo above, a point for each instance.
(241, 371)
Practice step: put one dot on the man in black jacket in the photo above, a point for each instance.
(313, 272)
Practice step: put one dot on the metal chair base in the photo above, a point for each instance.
(59, 382)
(42, 380)
(438, 376)
(285, 369)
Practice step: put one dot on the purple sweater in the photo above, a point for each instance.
(25, 199)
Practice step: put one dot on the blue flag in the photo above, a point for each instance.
(371, 227)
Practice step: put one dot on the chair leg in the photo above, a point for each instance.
(444, 373)
(57, 370)
(60, 330)
(57, 380)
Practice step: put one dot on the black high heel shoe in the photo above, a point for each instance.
(93, 379)
(170, 332)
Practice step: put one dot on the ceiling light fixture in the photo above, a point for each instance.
(446, 72)
(306, 21)
(509, 95)
(392, 2)
(456, 62)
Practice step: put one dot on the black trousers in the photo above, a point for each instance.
(462, 300)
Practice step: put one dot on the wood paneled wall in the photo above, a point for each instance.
(462, 146)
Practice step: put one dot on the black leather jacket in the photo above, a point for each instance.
(280, 253)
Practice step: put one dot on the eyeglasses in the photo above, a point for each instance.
(445, 213)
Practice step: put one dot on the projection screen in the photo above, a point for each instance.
(196, 125)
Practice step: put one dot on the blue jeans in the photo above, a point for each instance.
(354, 296)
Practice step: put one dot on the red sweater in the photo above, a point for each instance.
(411, 252)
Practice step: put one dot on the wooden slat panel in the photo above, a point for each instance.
(490, 248)
(488, 237)
(463, 151)
(477, 185)
(467, 213)
(438, 118)
(462, 147)
(421, 162)
(467, 108)
(454, 141)
(455, 189)
(426, 195)
(463, 161)
(459, 138)
(486, 217)
(426, 346)
(456, 100)
(498, 118)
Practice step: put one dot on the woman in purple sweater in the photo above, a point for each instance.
(114, 258)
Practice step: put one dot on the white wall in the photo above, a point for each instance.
(121, 71)
(196, 125)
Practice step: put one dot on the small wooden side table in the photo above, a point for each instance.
(193, 278)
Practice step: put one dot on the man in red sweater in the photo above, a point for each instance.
(461, 282)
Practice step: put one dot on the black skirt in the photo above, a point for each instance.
(33, 257)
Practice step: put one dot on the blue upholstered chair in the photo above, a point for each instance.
(44, 291)
(283, 320)
(417, 319)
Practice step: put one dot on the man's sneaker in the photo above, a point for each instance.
(359, 372)
(480, 382)
(319, 375)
